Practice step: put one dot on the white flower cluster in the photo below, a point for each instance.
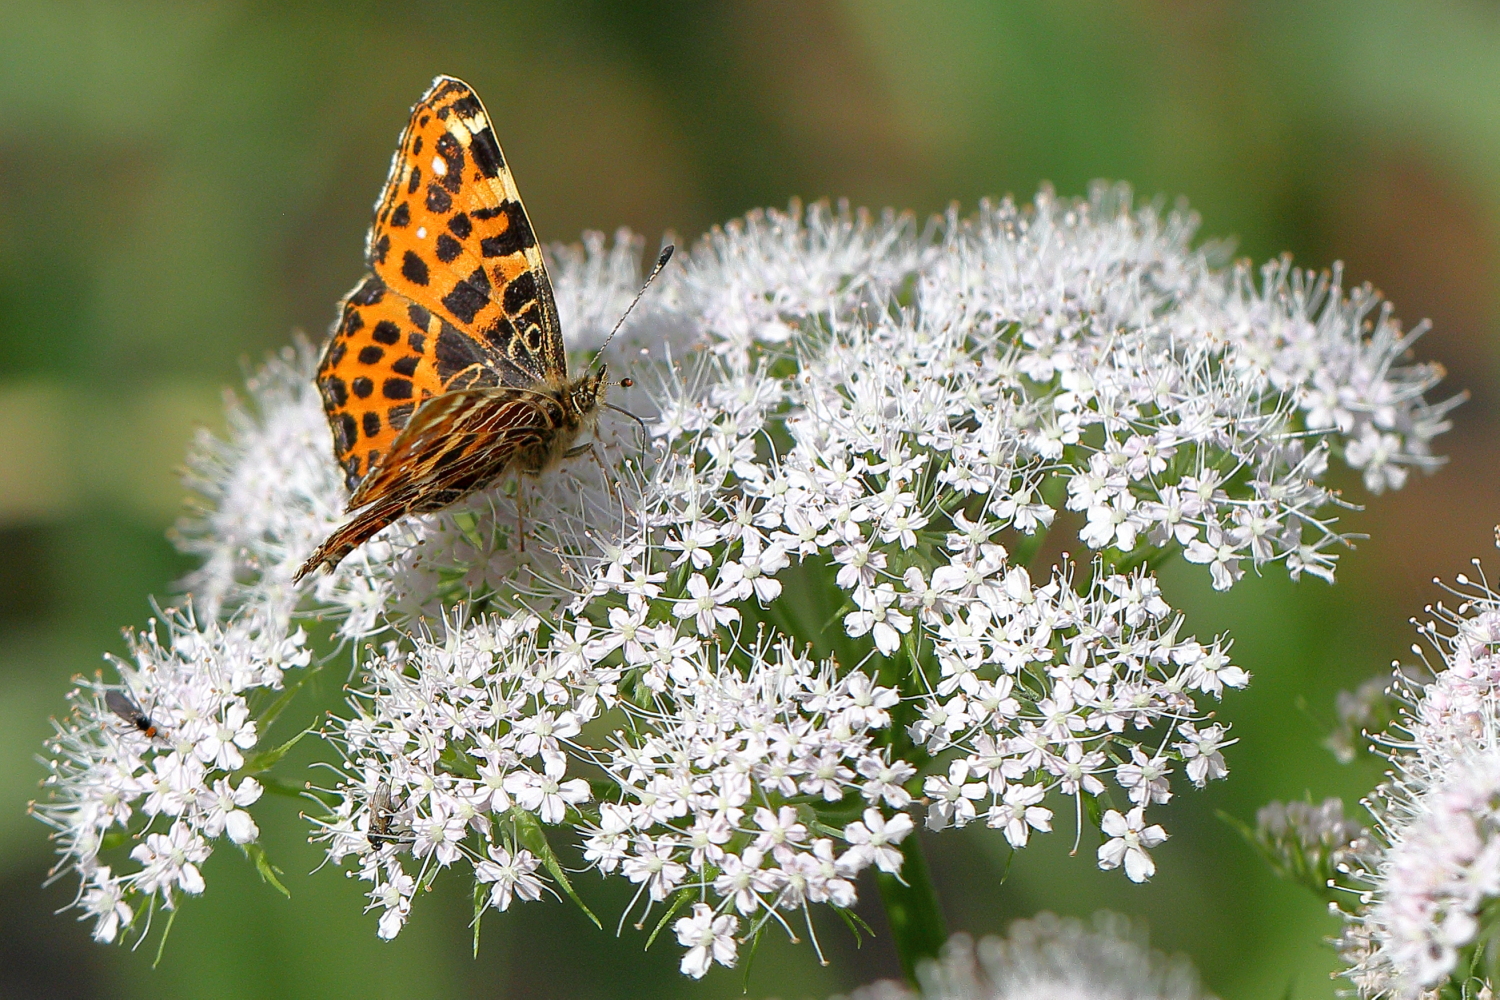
(1049, 958)
(454, 733)
(159, 762)
(1430, 879)
(737, 655)
(1307, 843)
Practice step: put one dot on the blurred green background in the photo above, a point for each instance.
(184, 184)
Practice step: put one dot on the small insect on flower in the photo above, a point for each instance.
(447, 368)
(131, 713)
(381, 830)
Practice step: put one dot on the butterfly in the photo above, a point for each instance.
(446, 368)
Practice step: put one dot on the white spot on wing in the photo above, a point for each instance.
(439, 167)
(421, 232)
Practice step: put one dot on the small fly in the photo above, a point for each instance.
(131, 713)
(382, 816)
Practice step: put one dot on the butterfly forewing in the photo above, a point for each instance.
(452, 235)
(379, 366)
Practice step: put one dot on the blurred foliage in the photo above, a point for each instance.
(183, 184)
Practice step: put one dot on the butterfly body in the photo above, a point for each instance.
(446, 369)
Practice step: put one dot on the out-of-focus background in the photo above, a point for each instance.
(182, 185)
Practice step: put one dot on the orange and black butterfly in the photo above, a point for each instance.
(446, 368)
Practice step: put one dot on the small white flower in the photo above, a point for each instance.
(171, 859)
(1203, 753)
(512, 876)
(546, 794)
(1145, 779)
(874, 839)
(1018, 814)
(1130, 838)
(707, 938)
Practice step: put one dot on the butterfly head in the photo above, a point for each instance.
(587, 391)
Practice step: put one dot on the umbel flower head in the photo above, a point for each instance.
(1050, 958)
(1429, 879)
(745, 648)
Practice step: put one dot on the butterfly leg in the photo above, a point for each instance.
(521, 512)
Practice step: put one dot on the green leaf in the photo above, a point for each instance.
(458, 763)
(268, 871)
(278, 787)
(534, 839)
(166, 932)
(279, 705)
(855, 923)
(480, 892)
(268, 759)
(1009, 858)
(679, 899)
(1095, 811)
(750, 958)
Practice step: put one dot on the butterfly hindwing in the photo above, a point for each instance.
(459, 441)
(452, 235)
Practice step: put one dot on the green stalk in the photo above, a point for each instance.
(911, 908)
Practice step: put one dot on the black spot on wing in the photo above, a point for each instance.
(530, 316)
(370, 354)
(517, 236)
(368, 293)
(500, 332)
(398, 415)
(380, 248)
(486, 152)
(454, 353)
(468, 296)
(335, 392)
(419, 317)
(466, 106)
(417, 342)
(351, 471)
(396, 388)
(519, 292)
(416, 147)
(336, 353)
(345, 432)
(448, 248)
(452, 152)
(414, 268)
(415, 181)
(460, 226)
(406, 366)
(372, 423)
(362, 387)
(487, 213)
(386, 332)
(401, 216)
(438, 200)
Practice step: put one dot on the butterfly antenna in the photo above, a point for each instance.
(661, 262)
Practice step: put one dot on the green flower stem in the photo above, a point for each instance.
(911, 908)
